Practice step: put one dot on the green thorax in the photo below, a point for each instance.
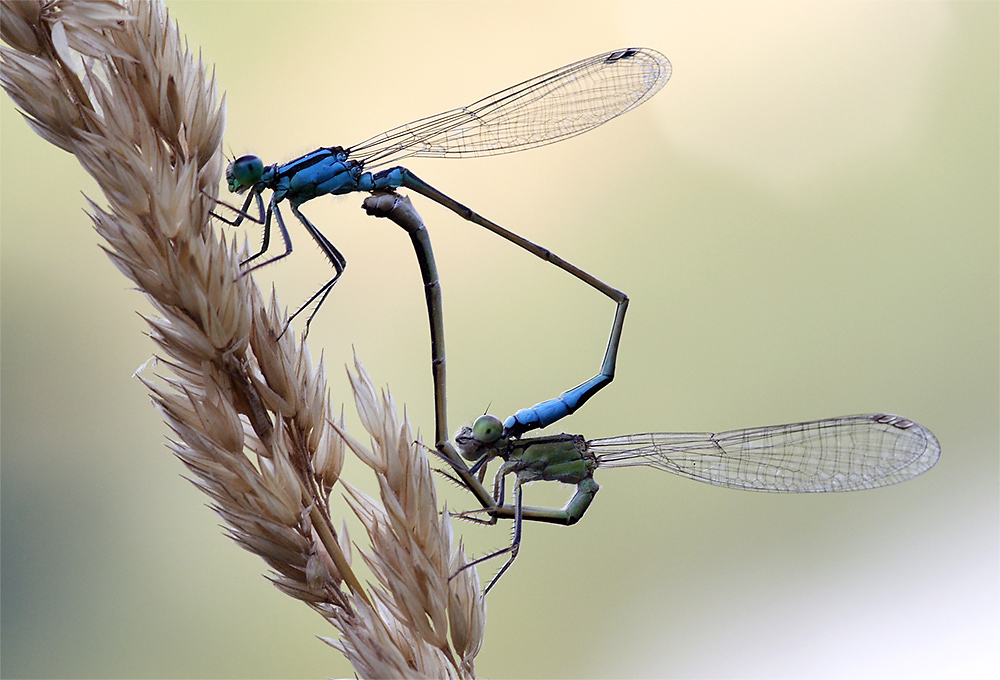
(558, 458)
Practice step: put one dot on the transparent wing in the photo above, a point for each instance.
(839, 454)
(543, 110)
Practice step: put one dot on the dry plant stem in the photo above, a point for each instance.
(250, 415)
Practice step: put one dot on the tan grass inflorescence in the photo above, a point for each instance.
(251, 417)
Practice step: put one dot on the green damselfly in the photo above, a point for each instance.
(836, 454)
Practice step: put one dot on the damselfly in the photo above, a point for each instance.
(543, 110)
(837, 454)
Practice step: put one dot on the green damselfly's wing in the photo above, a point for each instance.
(545, 109)
(838, 454)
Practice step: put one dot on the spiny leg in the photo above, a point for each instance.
(515, 543)
(498, 496)
(242, 214)
(479, 467)
(265, 240)
(272, 209)
(510, 550)
(335, 257)
(455, 480)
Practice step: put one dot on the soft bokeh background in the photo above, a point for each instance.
(806, 220)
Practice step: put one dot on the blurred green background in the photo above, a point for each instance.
(806, 220)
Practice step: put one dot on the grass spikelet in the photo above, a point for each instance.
(249, 412)
(412, 555)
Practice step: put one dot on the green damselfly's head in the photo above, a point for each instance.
(480, 439)
(243, 173)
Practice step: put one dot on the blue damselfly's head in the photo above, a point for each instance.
(243, 173)
(476, 441)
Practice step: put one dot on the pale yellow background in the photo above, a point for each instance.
(806, 220)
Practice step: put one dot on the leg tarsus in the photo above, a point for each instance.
(510, 550)
(334, 256)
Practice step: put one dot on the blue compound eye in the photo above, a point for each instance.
(244, 172)
(487, 429)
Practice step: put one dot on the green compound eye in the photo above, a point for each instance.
(244, 172)
(487, 429)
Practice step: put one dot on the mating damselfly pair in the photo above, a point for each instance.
(836, 454)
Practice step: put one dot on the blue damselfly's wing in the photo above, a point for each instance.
(546, 109)
(838, 454)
